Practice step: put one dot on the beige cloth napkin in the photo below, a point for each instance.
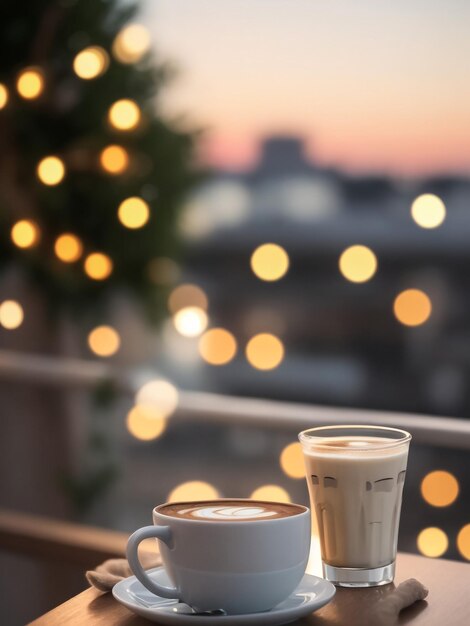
(106, 575)
(385, 612)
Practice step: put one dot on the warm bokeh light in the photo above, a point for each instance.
(68, 248)
(3, 96)
(428, 211)
(91, 62)
(163, 271)
(131, 43)
(51, 170)
(133, 212)
(217, 346)
(193, 490)
(104, 341)
(264, 351)
(358, 264)
(30, 83)
(463, 542)
(412, 307)
(269, 262)
(114, 159)
(187, 295)
(25, 234)
(143, 425)
(98, 266)
(159, 396)
(440, 488)
(190, 321)
(124, 115)
(432, 542)
(11, 314)
(271, 493)
(292, 461)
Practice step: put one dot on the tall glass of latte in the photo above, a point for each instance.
(355, 477)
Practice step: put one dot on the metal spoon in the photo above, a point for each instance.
(181, 608)
(185, 609)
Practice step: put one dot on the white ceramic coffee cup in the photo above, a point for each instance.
(240, 566)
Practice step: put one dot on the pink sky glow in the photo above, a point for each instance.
(370, 86)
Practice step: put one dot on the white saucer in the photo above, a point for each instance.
(311, 594)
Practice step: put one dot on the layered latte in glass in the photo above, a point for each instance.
(355, 477)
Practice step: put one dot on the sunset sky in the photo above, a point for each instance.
(372, 85)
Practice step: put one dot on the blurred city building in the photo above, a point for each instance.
(343, 343)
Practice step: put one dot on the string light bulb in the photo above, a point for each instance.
(131, 43)
(25, 234)
(463, 541)
(440, 488)
(272, 493)
(4, 96)
(30, 83)
(104, 341)
(358, 264)
(193, 490)
(114, 159)
(51, 170)
(133, 212)
(124, 115)
(428, 211)
(91, 63)
(187, 295)
(291, 460)
(269, 262)
(158, 396)
(265, 351)
(190, 321)
(217, 346)
(11, 314)
(432, 542)
(68, 248)
(98, 266)
(143, 425)
(412, 307)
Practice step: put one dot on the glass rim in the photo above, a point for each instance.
(316, 439)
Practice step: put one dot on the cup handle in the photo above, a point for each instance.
(159, 532)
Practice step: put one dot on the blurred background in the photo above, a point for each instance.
(223, 222)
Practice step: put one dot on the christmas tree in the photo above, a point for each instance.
(91, 173)
(91, 177)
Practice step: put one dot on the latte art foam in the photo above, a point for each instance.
(227, 512)
(230, 510)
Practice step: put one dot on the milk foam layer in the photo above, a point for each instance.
(227, 512)
(231, 510)
(354, 446)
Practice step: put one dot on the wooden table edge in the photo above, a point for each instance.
(90, 605)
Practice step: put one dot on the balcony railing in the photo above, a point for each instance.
(63, 372)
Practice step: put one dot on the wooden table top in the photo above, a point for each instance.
(448, 603)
